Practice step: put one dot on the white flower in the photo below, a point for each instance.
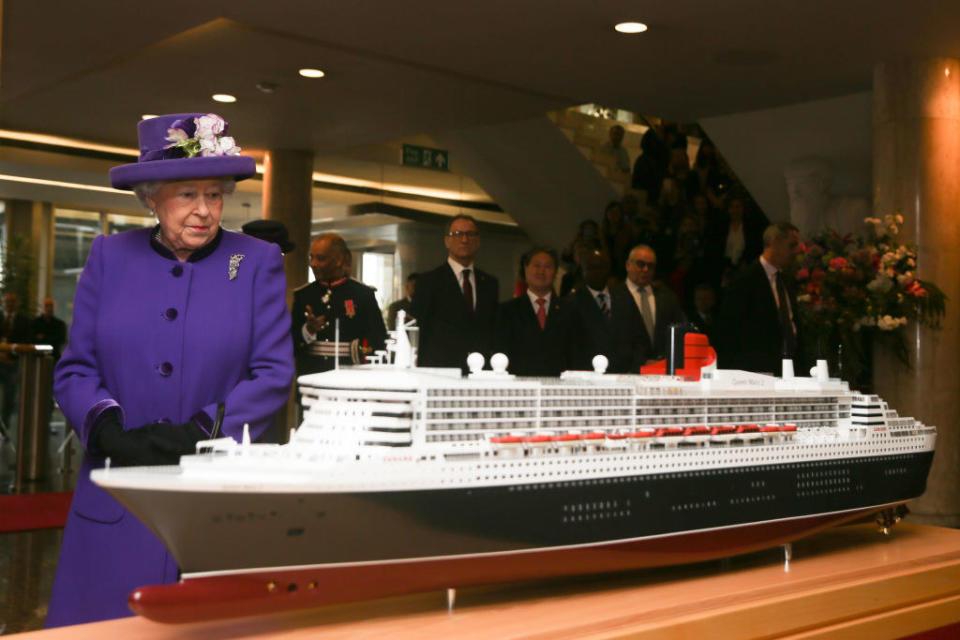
(905, 278)
(894, 229)
(872, 220)
(175, 137)
(889, 323)
(803, 297)
(209, 125)
(227, 146)
(880, 284)
(208, 147)
(898, 218)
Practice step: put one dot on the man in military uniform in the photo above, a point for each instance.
(334, 296)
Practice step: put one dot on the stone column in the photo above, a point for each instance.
(287, 185)
(287, 198)
(30, 226)
(916, 172)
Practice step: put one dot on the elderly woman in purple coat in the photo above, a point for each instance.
(180, 333)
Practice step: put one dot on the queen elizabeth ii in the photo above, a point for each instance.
(180, 333)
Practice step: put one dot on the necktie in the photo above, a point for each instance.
(786, 326)
(541, 312)
(604, 305)
(467, 289)
(646, 312)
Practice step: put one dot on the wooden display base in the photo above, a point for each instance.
(848, 582)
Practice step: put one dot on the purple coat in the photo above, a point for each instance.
(163, 340)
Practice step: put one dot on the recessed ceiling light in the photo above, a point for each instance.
(224, 97)
(311, 73)
(147, 116)
(631, 27)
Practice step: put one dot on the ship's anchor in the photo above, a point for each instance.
(889, 517)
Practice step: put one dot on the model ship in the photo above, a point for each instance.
(403, 479)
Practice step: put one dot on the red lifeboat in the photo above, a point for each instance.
(720, 430)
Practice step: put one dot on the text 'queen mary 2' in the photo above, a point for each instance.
(403, 479)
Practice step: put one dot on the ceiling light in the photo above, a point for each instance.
(224, 97)
(311, 73)
(147, 116)
(631, 27)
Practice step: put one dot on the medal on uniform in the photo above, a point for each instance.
(234, 265)
(350, 310)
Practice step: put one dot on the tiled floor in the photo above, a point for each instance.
(28, 559)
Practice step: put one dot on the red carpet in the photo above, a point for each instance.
(34, 511)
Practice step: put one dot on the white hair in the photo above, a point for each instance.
(144, 190)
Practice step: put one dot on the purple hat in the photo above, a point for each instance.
(182, 146)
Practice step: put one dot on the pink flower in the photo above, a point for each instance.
(838, 263)
(803, 274)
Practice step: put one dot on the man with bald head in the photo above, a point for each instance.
(658, 306)
(334, 297)
(455, 304)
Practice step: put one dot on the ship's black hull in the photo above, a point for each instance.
(282, 529)
(293, 551)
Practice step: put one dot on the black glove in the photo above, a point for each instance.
(173, 440)
(151, 444)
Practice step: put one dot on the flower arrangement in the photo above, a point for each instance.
(851, 287)
(203, 136)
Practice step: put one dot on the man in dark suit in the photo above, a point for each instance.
(539, 333)
(14, 329)
(609, 319)
(49, 329)
(455, 305)
(403, 304)
(658, 306)
(758, 324)
(330, 298)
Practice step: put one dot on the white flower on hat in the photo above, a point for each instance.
(208, 146)
(227, 146)
(210, 125)
(175, 137)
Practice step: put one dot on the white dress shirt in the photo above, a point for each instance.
(635, 292)
(533, 300)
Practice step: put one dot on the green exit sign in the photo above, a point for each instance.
(425, 157)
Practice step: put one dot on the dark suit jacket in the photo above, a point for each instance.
(403, 304)
(19, 331)
(449, 329)
(534, 351)
(748, 326)
(620, 337)
(704, 326)
(668, 311)
(52, 331)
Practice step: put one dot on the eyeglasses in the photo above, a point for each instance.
(459, 235)
(640, 264)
